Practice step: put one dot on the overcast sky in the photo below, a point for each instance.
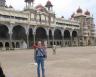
(61, 7)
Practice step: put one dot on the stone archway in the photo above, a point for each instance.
(41, 34)
(31, 37)
(50, 34)
(58, 43)
(74, 41)
(74, 34)
(1, 45)
(67, 35)
(51, 43)
(7, 46)
(17, 45)
(57, 34)
(19, 33)
(4, 35)
(50, 38)
(67, 38)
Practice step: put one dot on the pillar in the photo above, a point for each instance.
(3, 42)
(62, 38)
(34, 35)
(27, 33)
(10, 34)
(48, 42)
(71, 38)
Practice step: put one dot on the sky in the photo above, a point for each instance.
(61, 7)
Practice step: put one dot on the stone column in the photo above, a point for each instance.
(71, 38)
(27, 34)
(10, 34)
(3, 45)
(34, 35)
(34, 39)
(48, 42)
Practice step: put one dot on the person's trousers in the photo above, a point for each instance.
(40, 62)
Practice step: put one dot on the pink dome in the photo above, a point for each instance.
(40, 7)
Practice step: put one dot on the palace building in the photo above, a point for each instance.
(22, 29)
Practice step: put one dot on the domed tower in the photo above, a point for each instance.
(49, 5)
(72, 16)
(29, 3)
(79, 10)
(87, 13)
(2, 3)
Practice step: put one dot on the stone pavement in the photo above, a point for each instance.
(68, 62)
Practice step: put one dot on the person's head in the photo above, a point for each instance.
(39, 44)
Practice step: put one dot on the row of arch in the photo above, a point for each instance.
(19, 33)
(19, 30)
(7, 45)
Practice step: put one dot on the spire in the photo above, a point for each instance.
(79, 10)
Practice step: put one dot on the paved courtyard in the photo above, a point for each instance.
(68, 62)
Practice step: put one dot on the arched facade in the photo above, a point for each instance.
(31, 37)
(41, 34)
(21, 28)
(53, 36)
(75, 38)
(57, 34)
(67, 34)
(57, 37)
(4, 32)
(19, 33)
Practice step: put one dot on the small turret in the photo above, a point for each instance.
(87, 13)
(79, 10)
(2, 3)
(29, 3)
(49, 5)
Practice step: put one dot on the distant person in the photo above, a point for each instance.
(54, 49)
(39, 56)
(1, 72)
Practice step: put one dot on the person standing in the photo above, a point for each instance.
(54, 49)
(39, 56)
